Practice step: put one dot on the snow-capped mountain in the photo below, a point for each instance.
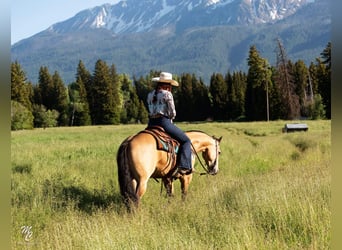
(131, 16)
(194, 36)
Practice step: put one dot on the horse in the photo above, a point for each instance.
(138, 160)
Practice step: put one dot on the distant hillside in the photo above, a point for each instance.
(201, 50)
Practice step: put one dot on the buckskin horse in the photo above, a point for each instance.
(139, 158)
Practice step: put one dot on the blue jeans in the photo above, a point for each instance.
(184, 152)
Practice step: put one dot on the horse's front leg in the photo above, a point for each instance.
(168, 184)
(185, 182)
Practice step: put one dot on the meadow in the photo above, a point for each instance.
(273, 191)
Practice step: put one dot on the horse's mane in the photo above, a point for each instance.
(199, 131)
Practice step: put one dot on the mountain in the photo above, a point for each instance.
(134, 16)
(199, 36)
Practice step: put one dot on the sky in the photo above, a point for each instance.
(30, 17)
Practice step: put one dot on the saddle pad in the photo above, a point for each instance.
(163, 141)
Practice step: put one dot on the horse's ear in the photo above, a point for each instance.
(218, 139)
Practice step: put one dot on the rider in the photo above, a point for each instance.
(161, 113)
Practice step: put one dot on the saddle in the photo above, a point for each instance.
(163, 140)
(165, 143)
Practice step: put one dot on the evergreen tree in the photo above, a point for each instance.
(324, 78)
(117, 94)
(142, 114)
(219, 93)
(50, 95)
(105, 107)
(131, 103)
(143, 86)
(277, 110)
(302, 88)
(313, 79)
(20, 90)
(60, 99)
(184, 99)
(79, 97)
(258, 86)
(286, 84)
(201, 100)
(45, 88)
(236, 95)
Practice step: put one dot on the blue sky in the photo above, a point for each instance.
(30, 17)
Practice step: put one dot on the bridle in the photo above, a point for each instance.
(206, 166)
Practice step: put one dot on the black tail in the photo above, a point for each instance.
(125, 176)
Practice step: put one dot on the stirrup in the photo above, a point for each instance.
(184, 171)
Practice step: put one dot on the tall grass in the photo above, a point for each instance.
(272, 192)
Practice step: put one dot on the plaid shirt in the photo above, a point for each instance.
(161, 102)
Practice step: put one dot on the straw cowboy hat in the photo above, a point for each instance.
(165, 77)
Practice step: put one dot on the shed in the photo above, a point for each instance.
(294, 127)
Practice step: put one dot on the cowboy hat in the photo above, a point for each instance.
(165, 77)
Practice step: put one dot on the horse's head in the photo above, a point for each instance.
(211, 155)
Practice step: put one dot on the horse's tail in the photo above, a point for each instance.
(125, 176)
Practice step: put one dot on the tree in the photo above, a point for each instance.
(236, 94)
(219, 93)
(104, 92)
(117, 94)
(302, 85)
(184, 99)
(258, 84)
(131, 103)
(20, 90)
(44, 118)
(286, 84)
(79, 97)
(201, 100)
(142, 114)
(60, 99)
(45, 89)
(21, 116)
(324, 78)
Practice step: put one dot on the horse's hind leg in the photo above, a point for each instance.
(141, 188)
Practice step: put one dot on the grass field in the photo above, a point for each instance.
(273, 191)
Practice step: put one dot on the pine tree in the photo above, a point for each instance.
(302, 88)
(286, 84)
(258, 86)
(79, 97)
(104, 87)
(219, 93)
(131, 103)
(117, 94)
(324, 78)
(45, 88)
(236, 92)
(143, 86)
(20, 90)
(201, 100)
(184, 99)
(143, 114)
(60, 99)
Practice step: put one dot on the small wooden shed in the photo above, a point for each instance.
(295, 127)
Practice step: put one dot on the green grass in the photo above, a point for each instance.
(272, 192)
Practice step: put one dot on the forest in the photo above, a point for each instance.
(287, 91)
